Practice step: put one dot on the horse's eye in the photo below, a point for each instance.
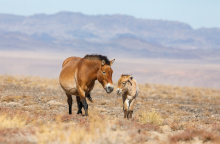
(103, 72)
(123, 82)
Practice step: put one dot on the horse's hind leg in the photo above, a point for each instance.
(89, 97)
(85, 106)
(70, 102)
(79, 104)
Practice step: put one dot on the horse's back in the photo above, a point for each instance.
(67, 74)
(70, 60)
(135, 87)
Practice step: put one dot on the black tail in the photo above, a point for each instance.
(89, 97)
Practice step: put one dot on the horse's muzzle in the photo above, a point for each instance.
(118, 91)
(109, 88)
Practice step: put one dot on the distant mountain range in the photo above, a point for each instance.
(108, 34)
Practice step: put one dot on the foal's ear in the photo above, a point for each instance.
(103, 62)
(112, 61)
(131, 77)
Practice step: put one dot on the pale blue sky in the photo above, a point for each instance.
(197, 13)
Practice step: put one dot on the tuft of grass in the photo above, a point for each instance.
(12, 98)
(150, 118)
(16, 121)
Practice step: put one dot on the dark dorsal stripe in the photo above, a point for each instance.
(97, 57)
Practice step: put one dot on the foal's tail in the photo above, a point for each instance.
(89, 97)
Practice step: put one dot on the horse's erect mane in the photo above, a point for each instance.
(126, 74)
(97, 57)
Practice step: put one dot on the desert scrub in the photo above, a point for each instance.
(151, 117)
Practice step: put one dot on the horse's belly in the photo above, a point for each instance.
(73, 91)
(70, 88)
(69, 85)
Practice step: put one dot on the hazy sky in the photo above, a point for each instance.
(197, 13)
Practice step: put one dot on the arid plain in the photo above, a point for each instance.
(169, 109)
(34, 110)
(180, 72)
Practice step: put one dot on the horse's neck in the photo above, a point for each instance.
(133, 89)
(92, 68)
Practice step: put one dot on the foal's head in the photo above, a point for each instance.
(123, 83)
(104, 76)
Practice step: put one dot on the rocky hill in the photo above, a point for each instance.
(112, 34)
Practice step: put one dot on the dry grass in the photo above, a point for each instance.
(34, 110)
(191, 134)
(86, 130)
(150, 118)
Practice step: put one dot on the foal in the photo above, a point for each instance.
(128, 87)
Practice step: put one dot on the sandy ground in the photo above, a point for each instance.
(34, 110)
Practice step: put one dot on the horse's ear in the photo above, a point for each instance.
(131, 77)
(112, 61)
(103, 62)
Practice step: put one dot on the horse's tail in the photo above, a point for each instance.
(89, 97)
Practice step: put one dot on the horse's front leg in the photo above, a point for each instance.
(125, 114)
(131, 108)
(125, 107)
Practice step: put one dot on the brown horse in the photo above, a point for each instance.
(78, 77)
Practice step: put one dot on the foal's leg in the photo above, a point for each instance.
(126, 106)
(70, 102)
(85, 106)
(79, 104)
(131, 108)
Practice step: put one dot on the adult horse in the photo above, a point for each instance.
(78, 77)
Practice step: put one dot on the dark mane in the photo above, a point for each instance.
(97, 57)
(126, 74)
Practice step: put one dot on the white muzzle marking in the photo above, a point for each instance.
(118, 91)
(109, 88)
